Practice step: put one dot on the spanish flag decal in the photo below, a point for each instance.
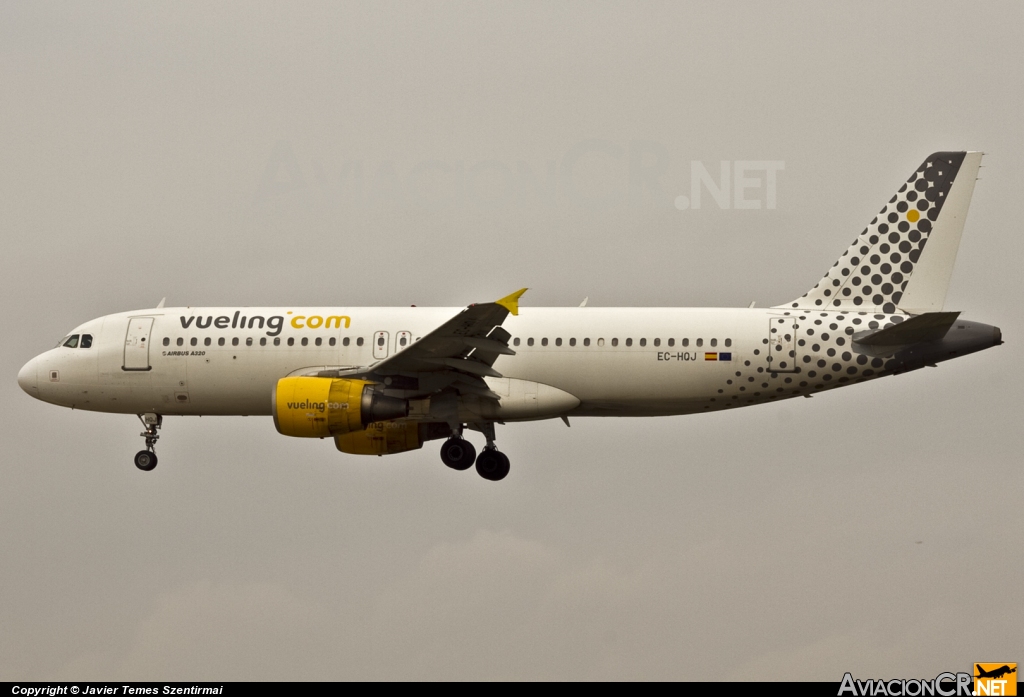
(718, 356)
(711, 356)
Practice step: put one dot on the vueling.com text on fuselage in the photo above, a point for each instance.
(273, 324)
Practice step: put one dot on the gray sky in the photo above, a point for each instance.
(211, 154)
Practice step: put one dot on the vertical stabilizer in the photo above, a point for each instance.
(903, 260)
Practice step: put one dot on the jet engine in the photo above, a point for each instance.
(387, 438)
(314, 407)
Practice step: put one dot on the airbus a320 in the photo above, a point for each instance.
(379, 381)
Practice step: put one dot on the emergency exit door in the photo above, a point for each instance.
(380, 345)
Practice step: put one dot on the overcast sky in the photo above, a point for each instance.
(443, 154)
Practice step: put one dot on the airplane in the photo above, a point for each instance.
(380, 381)
(995, 673)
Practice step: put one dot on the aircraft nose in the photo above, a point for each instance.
(27, 378)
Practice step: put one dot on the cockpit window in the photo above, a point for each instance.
(71, 341)
(86, 341)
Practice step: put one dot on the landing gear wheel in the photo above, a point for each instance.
(492, 465)
(145, 460)
(458, 453)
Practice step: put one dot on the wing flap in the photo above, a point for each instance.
(467, 365)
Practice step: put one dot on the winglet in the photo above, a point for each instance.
(511, 302)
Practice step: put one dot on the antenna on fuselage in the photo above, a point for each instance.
(160, 304)
(584, 303)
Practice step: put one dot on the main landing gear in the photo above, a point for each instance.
(458, 453)
(146, 460)
(492, 464)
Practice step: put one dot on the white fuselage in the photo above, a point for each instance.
(616, 361)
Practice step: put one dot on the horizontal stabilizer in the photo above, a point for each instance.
(930, 326)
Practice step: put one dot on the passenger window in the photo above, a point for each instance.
(234, 341)
(305, 341)
(686, 342)
(671, 342)
(277, 341)
(643, 342)
(629, 342)
(572, 342)
(193, 341)
(318, 341)
(586, 342)
(263, 341)
(657, 342)
(359, 341)
(714, 342)
(615, 342)
(167, 341)
(333, 341)
(728, 343)
(380, 341)
(402, 341)
(544, 341)
(180, 341)
(600, 342)
(558, 342)
(700, 342)
(529, 342)
(515, 342)
(220, 341)
(291, 341)
(207, 341)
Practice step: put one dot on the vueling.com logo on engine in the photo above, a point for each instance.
(317, 406)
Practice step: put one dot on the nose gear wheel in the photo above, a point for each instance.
(145, 460)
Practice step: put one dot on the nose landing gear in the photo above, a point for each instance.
(146, 459)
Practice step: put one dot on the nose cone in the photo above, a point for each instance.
(27, 378)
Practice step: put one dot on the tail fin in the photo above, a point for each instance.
(887, 269)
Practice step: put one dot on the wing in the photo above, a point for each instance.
(459, 353)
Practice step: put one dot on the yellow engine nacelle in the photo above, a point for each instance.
(381, 438)
(310, 407)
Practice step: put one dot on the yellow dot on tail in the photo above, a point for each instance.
(913, 215)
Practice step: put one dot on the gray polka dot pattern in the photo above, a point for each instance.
(873, 273)
(823, 356)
